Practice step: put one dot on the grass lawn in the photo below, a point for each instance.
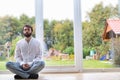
(86, 63)
(59, 62)
(2, 65)
(97, 64)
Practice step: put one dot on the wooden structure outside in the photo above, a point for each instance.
(112, 33)
(112, 29)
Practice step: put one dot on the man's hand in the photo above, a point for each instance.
(26, 66)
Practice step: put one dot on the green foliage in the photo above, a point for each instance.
(8, 28)
(59, 46)
(94, 28)
(103, 48)
(63, 35)
(69, 50)
(14, 45)
(24, 19)
(86, 52)
(49, 33)
(58, 34)
(116, 45)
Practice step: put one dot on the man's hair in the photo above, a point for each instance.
(28, 27)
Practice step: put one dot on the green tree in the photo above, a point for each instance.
(63, 35)
(93, 29)
(49, 33)
(9, 28)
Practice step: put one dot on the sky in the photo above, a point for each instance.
(52, 9)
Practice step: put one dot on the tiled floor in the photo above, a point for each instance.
(71, 76)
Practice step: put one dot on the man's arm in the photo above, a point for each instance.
(38, 56)
(18, 56)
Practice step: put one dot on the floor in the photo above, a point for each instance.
(71, 76)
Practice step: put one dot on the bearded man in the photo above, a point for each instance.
(28, 56)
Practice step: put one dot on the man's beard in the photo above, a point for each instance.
(27, 34)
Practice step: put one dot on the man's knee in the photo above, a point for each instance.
(40, 63)
(43, 64)
(8, 64)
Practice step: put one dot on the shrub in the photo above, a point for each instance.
(69, 50)
(116, 45)
(86, 52)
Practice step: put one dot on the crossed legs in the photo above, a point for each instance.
(15, 68)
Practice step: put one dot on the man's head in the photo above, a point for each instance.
(27, 30)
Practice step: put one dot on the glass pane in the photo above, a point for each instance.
(98, 46)
(13, 15)
(58, 32)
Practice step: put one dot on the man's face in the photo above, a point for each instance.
(27, 31)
